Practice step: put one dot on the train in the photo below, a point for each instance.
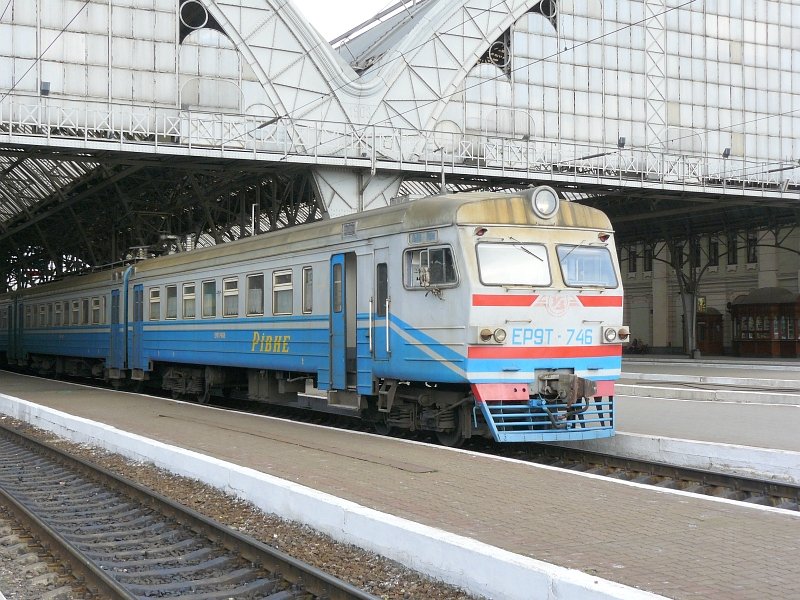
(495, 315)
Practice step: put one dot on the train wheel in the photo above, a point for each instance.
(205, 396)
(382, 428)
(455, 437)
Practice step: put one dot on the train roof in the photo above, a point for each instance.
(468, 208)
(70, 283)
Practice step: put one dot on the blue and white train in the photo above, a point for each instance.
(480, 314)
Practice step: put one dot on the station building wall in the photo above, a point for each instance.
(653, 307)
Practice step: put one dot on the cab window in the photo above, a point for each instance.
(587, 266)
(430, 267)
(513, 264)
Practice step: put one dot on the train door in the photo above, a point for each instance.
(117, 359)
(135, 354)
(343, 321)
(381, 306)
(18, 319)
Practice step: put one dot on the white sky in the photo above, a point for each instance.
(333, 17)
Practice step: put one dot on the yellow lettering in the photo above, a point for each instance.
(262, 342)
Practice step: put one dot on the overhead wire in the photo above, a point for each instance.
(527, 65)
(523, 66)
(325, 96)
(404, 55)
(5, 9)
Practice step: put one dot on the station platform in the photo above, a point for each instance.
(498, 527)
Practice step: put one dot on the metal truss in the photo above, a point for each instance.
(124, 208)
(162, 131)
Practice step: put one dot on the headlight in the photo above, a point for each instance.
(616, 334)
(544, 201)
(492, 336)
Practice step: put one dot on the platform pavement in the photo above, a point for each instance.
(474, 519)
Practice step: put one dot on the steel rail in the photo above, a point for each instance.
(84, 570)
(310, 578)
(703, 482)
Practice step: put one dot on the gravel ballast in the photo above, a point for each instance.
(377, 575)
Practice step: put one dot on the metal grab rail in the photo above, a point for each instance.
(370, 324)
(388, 305)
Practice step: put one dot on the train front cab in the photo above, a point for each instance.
(545, 325)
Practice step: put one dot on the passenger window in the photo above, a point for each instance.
(282, 293)
(209, 299)
(58, 313)
(155, 304)
(230, 297)
(76, 313)
(430, 267)
(255, 295)
(188, 301)
(382, 288)
(338, 288)
(96, 311)
(42, 315)
(308, 290)
(85, 311)
(172, 302)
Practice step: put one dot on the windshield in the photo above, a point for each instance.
(513, 264)
(587, 266)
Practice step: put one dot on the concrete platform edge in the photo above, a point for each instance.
(748, 383)
(674, 393)
(747, 461)
(472, 565)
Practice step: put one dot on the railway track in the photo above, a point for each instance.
(124, 541)
(694, 481)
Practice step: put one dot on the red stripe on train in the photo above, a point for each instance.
(593, 301)
(544, 351)
(503, 300)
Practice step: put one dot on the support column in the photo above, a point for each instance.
(346, 191)
(661, 271)
(767, 261)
